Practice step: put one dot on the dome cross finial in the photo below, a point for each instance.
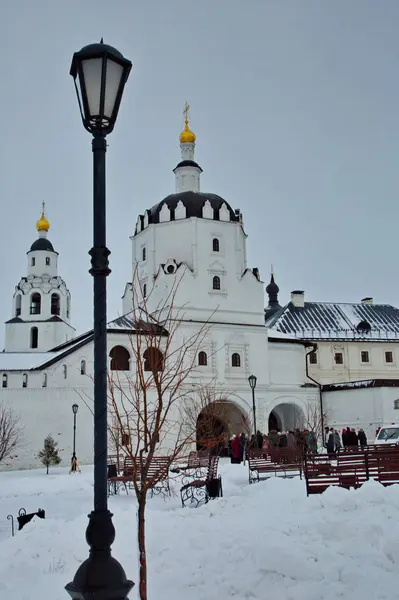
(187, 136)
(42, 224)
(185, 112)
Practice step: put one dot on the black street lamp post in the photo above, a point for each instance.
(252, 384)
(100, 73)
(74, 462)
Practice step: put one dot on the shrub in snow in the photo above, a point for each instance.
(49, 455)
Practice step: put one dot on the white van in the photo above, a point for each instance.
(388, 434)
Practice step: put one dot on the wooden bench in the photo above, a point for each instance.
(281, 460)
(352, 468)
(158, 473)
(200, 491)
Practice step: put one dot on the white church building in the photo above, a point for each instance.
(199, 239)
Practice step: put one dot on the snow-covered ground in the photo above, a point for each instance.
(262, 541)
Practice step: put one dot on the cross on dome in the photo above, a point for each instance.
(187, 136)
(43, 224)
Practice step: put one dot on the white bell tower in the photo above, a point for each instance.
(41, 310)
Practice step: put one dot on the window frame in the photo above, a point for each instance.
(48, 261)
(216, 279)
(313, 359)
(364, 353)
(341, 358)
(34, 331)
(236, 364)
(216, 244)
(390, 353)
(202, 358)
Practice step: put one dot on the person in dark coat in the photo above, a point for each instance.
(259, 440)
(273, 438)
(283, 442)
(331, 443)
(236, 453)
(362, 438)
(345, 437)
(352, 439)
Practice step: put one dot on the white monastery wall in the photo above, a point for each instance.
(363, 407)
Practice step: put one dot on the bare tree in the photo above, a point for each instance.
(10, 432)
(314, 420)
(144, 403)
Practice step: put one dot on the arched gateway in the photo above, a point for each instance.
(217, 423)
(286, 416)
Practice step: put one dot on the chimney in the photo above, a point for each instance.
(298, 298)
(367, 301)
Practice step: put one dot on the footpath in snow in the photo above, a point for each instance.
(264, 541)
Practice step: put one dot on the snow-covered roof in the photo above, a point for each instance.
(273, 333)
(330, 320)
(137, 319)
(28, 361)
(23, 361)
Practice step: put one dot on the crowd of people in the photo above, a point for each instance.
(334, 442)
(241, 445)
(305, 440)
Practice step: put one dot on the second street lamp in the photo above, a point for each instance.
(100, 73)
(252, 384)
(74, 461)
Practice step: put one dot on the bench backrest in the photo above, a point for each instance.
(212, 473)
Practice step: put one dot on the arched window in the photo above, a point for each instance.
(44, 381)
(215, 245)
(144, 290)
(68, 306)
(5, 380)
(18, 301)
(120, 358)
(83, 367)
(65, 371)
(48, 261)
(216, 283)
(235, 360)
(35, 304)
(55, 304)
(144, 254)
(34, 337)
(153, 360)
(202, 359)
(32, 261)
(25, 380)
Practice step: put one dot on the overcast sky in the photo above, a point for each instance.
(295, 105)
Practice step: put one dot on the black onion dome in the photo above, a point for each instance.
(194, 203)
(272, 289)
(42, 244)
(187, 163)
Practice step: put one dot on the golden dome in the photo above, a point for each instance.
(187, 136)
(42, 224)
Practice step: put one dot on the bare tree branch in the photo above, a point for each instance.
(145, 403)
(11, 432)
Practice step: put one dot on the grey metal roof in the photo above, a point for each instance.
(330, 320)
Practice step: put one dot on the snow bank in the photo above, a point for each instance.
(261, 541)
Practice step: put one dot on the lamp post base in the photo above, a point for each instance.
(74, 465)
(100, 577)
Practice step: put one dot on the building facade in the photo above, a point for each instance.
(190, 246)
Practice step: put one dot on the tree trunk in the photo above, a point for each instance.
(47, 470)
(141, 543)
